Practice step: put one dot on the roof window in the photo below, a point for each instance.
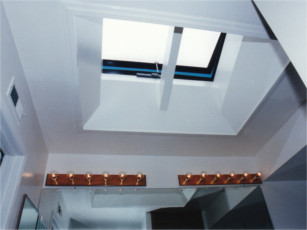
(134, 48)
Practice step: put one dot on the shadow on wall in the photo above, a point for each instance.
(285, 190)
(250, 213)
(227, 208)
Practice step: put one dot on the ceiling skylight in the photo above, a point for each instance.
(133, 41)
(145, 42)
(196, 47)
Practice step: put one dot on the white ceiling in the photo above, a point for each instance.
(42, 36)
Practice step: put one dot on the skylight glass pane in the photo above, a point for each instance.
(133, 41)
(197, 47)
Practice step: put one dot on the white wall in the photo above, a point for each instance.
(286, 202)
(288, 21)
(225, 202)
(161, 171)
(48, 208)
(252, 78)
(25, 134)
(290, 138)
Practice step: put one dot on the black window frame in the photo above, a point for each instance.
(181, 72)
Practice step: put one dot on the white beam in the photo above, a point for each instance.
(169, 66)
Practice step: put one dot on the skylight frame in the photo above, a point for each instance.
(182, 72)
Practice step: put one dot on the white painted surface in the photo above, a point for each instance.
(130, 106)
(228, 59)
(238, 17)
(290, 138)
(49, 85)
(10, 177)
(55, 98)
(285, 190)
(169, 66)
(25, 136)
(224, 203)
(48, 208)
(108, 208)
(161, 171)
(58, 119)
(288, 21)
(286, 202)
(88, 48)
(127, 208)
(148, 199)
(252, 78)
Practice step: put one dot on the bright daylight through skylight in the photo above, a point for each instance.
(146, 42)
